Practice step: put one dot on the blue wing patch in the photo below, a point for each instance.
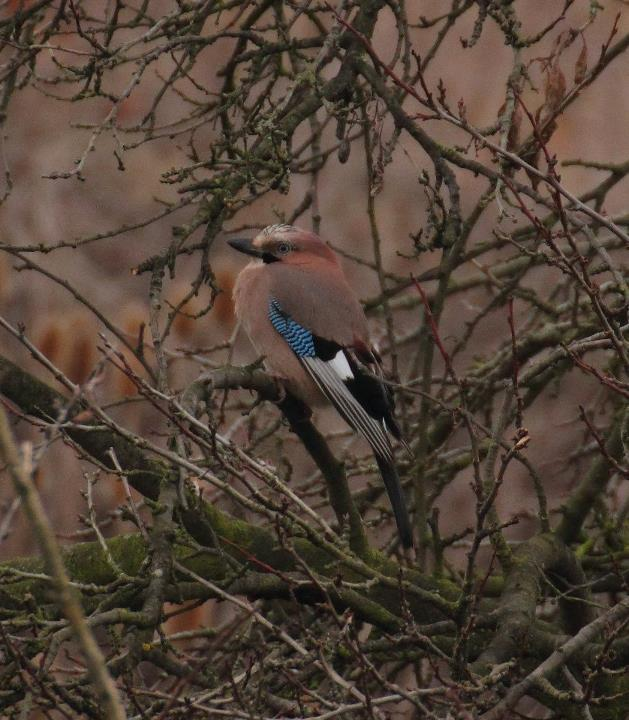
(298, 338)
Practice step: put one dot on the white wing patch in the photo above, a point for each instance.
(340, 366)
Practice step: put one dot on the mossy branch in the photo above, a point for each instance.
(253, 546)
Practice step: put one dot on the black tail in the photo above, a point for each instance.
(398, 502)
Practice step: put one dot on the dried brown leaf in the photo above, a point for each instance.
(581, 66)
(554, 90)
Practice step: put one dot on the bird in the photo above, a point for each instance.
(301, 314)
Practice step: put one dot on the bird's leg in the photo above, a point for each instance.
(282, 393)
(293, 409)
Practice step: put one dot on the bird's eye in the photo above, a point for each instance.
(283, 248)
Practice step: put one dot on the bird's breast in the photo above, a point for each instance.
(252, 296)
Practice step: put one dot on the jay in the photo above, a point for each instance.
(300, 313)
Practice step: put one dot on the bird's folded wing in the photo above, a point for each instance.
(330, 375)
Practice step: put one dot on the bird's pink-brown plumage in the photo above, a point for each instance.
(298, 287)
(301, 314)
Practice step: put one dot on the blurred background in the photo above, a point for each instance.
(125, 183)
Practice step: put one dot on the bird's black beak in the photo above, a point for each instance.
(244, 245)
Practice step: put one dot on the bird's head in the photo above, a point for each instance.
(285, 243)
